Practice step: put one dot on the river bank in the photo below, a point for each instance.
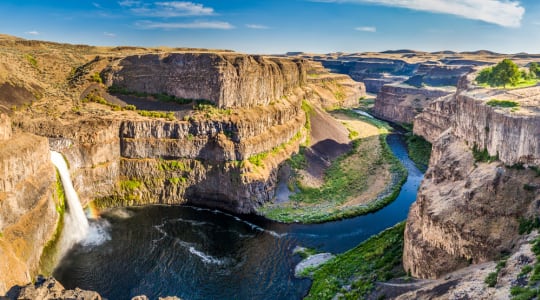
(361, 181)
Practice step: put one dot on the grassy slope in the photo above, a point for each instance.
(342, 182)
(419, 151)
(376, 259)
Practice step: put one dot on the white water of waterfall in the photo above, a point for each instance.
(75, 222)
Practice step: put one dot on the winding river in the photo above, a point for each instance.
(197, 253)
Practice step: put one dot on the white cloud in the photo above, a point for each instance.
(129, 3)
(32, 32)
(366, 28)
(257, 26)
(180, 25)
(109, 34)
(97, 5)
(168, 9)
(505, 13)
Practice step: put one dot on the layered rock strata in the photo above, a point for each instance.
(400, 103)
(465, 212)
(226, 79)
(28, 204)
(467, 209)
(332, 90)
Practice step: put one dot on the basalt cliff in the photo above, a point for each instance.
(482, 179)
(144, 126)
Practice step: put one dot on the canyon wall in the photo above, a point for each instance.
(226, 79)
(332, 90)
(481, 179)
(226, 158)
(29, 204)
(465, 212)
(400, 103)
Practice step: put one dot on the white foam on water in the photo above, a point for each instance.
(98, 234)
(207, 259)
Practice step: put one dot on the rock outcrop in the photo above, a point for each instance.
(465, 212)
(228, 80)
(400, 103)
(436, 118)
(332, 90)
(467, 209)
(28, 204)
(220, 157)
(49, 288)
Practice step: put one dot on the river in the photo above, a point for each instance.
(197, 253)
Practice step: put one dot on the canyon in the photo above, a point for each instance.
(218, 126)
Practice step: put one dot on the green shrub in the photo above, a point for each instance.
(157, 114)
(96, 78)
(483, 155)
(130, 185)
(528, 225)
(31, 60)
(502, 103)
(419, 151)
(130, 107)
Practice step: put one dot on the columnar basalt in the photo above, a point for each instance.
(228, 80)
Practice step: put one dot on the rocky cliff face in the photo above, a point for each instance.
(228, 80)
(436, 118)
(467, 211)
(28, 202)
(401, 103)
(226, 158)
(332, 90)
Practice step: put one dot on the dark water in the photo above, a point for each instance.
(198, 253)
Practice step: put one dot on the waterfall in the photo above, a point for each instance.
(75, 222)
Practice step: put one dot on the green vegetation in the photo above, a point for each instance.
(483, 155)
(528, 225)
(506, 73)
(491, 279)
(258, 159)
(352, 275)
(130, 185)
(341, 182)
(210, 110)
(169, 115)
(298, 161)
(48, 256)
(96, 78)
(95, 97)
(31, 60)
(531, 290)
(173, 165)
(419, 151)
(309, 111)
(177, 180)
(534, 70)
(502, 103)
(366, 104)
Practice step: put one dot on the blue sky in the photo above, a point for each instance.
(278, 26)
